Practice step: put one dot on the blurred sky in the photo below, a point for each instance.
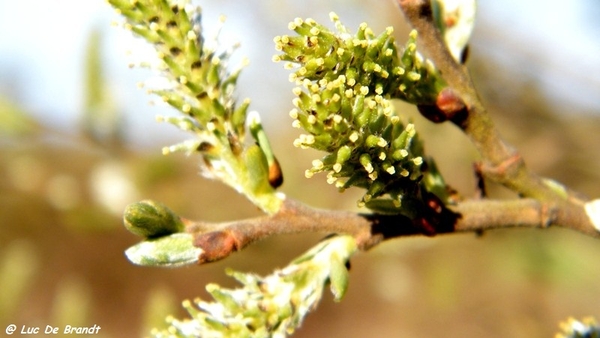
(42, 45)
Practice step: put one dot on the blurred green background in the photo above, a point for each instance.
(78, 142)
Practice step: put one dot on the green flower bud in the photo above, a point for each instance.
(403, 141)
(343, 154)
(372, 141)
(151, 219)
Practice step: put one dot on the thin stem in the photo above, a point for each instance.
(219, 240)
(500, 161)
(546, 203)
(477, 124)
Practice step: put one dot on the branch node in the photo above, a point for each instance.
(216, 245)
(506, 170)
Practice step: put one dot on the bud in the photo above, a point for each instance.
(151, 219)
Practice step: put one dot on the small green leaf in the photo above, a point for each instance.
(455, 19)
(257, 131)
(558, 188)
(258, 170)
(339, 278)
(167, 251)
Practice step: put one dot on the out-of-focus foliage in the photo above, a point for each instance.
(102, 121)
(14, 121)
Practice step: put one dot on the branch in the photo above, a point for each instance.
(351, 162)
(500, 161)
(547, 203)
(219, 240)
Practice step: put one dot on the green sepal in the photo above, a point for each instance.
(384, 206)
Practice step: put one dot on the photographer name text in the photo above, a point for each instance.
(52, 330)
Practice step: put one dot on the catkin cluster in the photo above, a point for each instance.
(343, 102)
(200, 85)
(271, 306)
(364, 59)
(196, 81)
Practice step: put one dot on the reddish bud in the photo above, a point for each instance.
(275, 174)
(449, 103)
(448, 106)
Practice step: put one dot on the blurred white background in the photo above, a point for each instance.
(42, 49)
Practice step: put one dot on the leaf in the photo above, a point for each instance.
(339, 278)
(168, 251)
(455, 19)
(258, 171)
(14, 120)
